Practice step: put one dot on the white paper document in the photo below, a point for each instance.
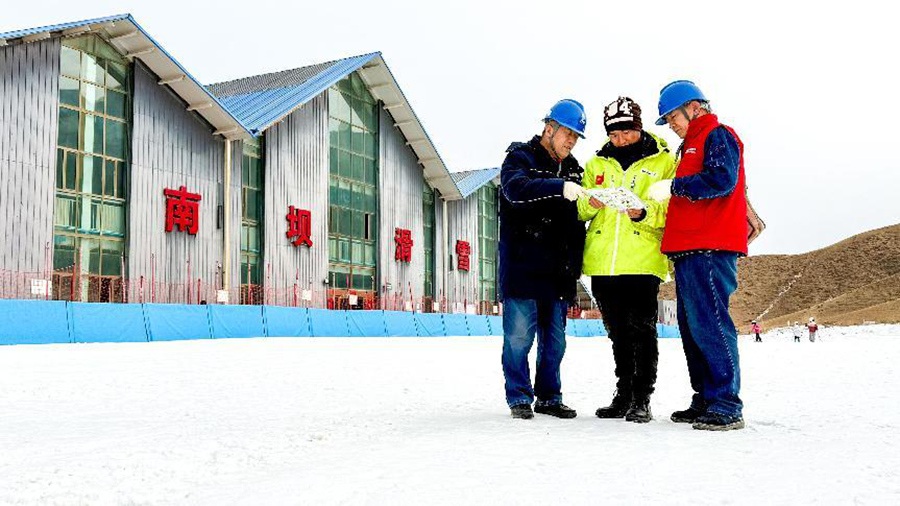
(618, 198)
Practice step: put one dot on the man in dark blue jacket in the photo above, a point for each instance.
(541, 247)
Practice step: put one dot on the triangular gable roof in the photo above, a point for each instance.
(264, 100)
(124, 34)
(470, 181)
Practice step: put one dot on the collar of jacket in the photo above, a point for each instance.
(699, 125)
(543, 157)
(651, 145)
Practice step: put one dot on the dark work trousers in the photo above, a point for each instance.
(630, 313)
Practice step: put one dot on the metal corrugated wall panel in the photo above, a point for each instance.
(29, 87)
(237, 205)
(171, 148)
(400, 206)
(463, 226)
(161, 61)
(296, 174)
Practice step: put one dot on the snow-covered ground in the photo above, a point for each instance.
(423, 421)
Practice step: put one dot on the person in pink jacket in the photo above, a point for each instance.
(756, 330)
(813, 328)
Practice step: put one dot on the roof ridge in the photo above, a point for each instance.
(468, 172)
(469, 181)
(283, 73)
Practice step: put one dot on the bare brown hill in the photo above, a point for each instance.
(854, 281)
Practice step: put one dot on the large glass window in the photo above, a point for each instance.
(488, 233)
(353, 197)
(92, 162)
(252, 167)
(428, 229)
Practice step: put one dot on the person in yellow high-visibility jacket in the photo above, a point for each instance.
(622, 254)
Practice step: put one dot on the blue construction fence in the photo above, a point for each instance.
(47, 322)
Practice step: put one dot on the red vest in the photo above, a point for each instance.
(709, 224)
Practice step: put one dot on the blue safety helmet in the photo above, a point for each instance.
(675, 95)
(570, 114)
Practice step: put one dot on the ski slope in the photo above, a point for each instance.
(423, 421)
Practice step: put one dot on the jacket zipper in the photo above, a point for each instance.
(612, 266)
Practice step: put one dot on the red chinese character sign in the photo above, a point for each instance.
(299, 227)
(182, 210)
(462, 255)
(404, 242)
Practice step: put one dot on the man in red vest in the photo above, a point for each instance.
(706, 231)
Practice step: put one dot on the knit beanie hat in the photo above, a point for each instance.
(623, 114)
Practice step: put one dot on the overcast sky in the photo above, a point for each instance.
(812, 90)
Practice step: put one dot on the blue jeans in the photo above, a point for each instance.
(522, 318)
(703, 284)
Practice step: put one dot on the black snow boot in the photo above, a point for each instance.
(688, 415)
(617, 408)
(558, 410)
(522, 411)
(717, 422)
(639, 412)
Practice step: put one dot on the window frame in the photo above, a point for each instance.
(353, 151)
(487, 281)
(110, 174)
(251, 262)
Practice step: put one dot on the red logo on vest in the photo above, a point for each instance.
(599, 179)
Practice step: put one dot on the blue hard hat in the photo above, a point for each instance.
(570, 114)
(676, 94)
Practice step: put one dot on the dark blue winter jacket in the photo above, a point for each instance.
(541, 238)
(721, 162)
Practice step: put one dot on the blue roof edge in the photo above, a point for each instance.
(313, 87)
(438, 153)
(480, 177)
(129, 18)
(189, 75)
(62, 26)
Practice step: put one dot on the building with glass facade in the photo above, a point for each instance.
(127, 180)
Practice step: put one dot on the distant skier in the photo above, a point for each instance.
(756, 330)
(813, 328)
(797, 331)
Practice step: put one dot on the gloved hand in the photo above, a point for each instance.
(660, 190)
(571, 191)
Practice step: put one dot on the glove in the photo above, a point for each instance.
(571, 191)
(660, 190)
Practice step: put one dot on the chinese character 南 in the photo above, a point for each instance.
(182, 210)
